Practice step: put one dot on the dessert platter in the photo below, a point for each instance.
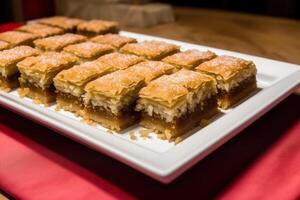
(156, 104)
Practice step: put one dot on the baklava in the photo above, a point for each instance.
(67, 24)
(58, 42)
(8, 69)
(236, 78)
(151, 70)
(70, 84)
(119, 60)
(115, 40)
(4, 45)
(16, 38)
(37, 73)
(189, 59)
(110, 99)
(175, 104)
(96, 27)
(41, 30)
(88, 51)
(152, 50)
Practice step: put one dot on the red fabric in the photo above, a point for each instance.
(33, 9)
(262, 162)
(9, 26)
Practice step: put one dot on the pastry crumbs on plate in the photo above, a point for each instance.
(132, 136)
(168, 134)
(178, 140)
(145, 133)
(161, 136)
(23, 92)
(109, 131)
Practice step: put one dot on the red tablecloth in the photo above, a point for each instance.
(262, 162)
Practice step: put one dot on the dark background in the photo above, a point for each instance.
(283, 8)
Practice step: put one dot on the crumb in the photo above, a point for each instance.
(145, 133)
(23, 92)
(89, 121)
(57, 108)
(161, 136)
(178, 140)
(109, 131)
(204, 122)
(168, 134)
(132, 136)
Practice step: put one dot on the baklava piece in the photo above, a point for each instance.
(70, 84)
(4, 45)
(95, 27)
(151, 70)
(175, 104)
(67, 24)
(58, 42)
(115, 40)
(8, 69)
(119, 60)
(41, 30)
(37, 73)
(16, 38)
(110, 99)
(152, 50)
(189, 59)
(236, 78)
(88, 51)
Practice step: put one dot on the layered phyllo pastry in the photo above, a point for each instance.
(8, 68)
(37, 73)
(67, 24)
(152, 50)
(236, 78)
(58, 42)
(88, 51)
(151, 70)
(115, 40)
(174, 104)
(4, 45)
(96, 27)
(110, 99)
(16, 38)
(189, 59)
(70, 84)
(119, 60)
(41, 30)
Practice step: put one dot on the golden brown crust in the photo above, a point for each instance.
(189, 59)
(119, 60)
(151, 70)
(88, 49)
(40, 70)
(115, 40)
(9, 57)
(98, 26)
(68, 24)
(41, 30)
(17, 38)
(169, 90)
(114, 85)
(58, 42)
(153, 50)
(226, 67)
(4, 45)
(83, 73)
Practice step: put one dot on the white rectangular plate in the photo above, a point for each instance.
(157, 158)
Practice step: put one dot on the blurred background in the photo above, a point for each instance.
(22, 10)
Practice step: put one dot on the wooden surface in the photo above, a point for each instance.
(274, 38)
(269, 37)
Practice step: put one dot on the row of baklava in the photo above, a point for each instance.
(122, 81)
